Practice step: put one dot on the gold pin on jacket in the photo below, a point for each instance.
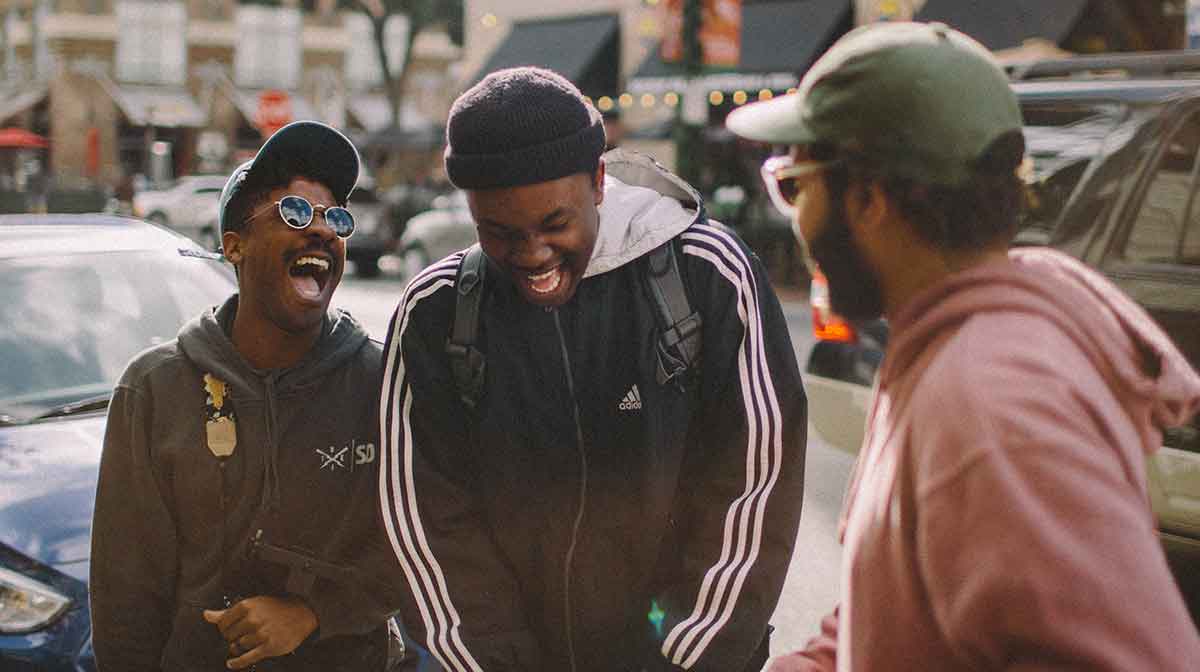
(221, 428)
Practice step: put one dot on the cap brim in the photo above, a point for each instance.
(776, 121)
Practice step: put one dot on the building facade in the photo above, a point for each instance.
(161, 88)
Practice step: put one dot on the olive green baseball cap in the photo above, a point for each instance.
(922, 100)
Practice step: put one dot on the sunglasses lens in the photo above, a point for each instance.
(789, 188)
(341, 221)
(296, 211)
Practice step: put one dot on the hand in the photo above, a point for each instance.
(263, 627)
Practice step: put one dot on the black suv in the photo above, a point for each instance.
(1114, 142)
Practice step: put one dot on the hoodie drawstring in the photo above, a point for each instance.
(271, 473)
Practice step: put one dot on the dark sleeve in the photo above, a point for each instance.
(133, 563)
(362, 604)
(744, 475)
(463, 601)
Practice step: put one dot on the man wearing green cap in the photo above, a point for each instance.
(997, 517)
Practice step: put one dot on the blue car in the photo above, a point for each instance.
(79, 296)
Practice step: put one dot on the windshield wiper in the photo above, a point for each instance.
(82, 406)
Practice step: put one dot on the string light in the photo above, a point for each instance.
(604, 103)
(647, 100)
(765, 94)
(626, 100)
(791, 90)
(739, 97)
(716, 98)
(671, 99)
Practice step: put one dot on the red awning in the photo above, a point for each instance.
(21, 138)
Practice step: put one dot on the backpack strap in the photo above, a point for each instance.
(679, 340)
(467, 362)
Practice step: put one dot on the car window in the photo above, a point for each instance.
(1166, 226)
(72, 322)
(1064, 141)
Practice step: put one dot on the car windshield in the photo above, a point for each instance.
(71, 322)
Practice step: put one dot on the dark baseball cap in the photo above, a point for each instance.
(921, 99)
(309, 148)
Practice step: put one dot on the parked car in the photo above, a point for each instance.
(189, 206)
(373, 236)
(445, 228)
(82, 294)
(1114, 183)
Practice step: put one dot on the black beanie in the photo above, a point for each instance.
(521, 126)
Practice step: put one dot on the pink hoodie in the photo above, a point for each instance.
(998, 517)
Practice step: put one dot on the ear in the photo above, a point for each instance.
(231, 243)
(598, 182)
(867, 207)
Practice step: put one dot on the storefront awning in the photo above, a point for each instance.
(161, 106)
(374, 113)
(13, 103)
(1003, 25)
(584, 49)
(247, 103)
(779, 41)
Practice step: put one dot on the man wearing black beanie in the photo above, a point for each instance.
(593, 429)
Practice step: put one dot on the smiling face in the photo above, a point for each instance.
(287, 276)
(541, 235)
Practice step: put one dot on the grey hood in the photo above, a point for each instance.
(644, 206)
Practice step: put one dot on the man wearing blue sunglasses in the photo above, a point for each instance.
(235, 518)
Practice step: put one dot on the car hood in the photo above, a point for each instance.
(50, 470)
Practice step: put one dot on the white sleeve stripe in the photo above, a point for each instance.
(398, 498)
(407, 553)
(771, 458)
(764, 425)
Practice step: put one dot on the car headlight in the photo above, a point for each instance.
(26, 604)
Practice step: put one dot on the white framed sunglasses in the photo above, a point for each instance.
(298, 213)
(785, 179)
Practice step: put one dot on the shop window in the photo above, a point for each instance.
(269, 47)
(151, 42)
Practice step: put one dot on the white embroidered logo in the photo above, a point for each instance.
(348, 456)
(632, 400)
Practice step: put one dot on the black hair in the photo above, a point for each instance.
(983, 212)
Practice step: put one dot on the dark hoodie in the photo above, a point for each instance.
(173, 523)
(998, 517)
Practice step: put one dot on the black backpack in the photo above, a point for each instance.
(679, 339)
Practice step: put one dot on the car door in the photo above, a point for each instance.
(1154, 256)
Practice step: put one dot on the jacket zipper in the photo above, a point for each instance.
(583, 471)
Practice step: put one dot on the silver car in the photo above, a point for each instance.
(189, 207)
(442, 230)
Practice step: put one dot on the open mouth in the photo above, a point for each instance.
(309, 275)
(547, 282)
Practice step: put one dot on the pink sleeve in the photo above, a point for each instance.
(1037, 547)
(819, 655)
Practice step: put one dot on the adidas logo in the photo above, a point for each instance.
(632, 400)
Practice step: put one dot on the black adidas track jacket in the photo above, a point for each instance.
(655, 532)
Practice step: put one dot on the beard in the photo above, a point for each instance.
(855, 292)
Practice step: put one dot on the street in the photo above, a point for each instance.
(812, 585)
